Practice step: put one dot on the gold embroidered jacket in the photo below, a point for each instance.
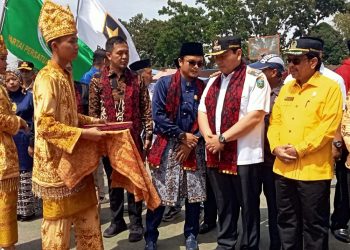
(57, 125)
(9, 125)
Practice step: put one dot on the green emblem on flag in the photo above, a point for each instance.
(260, 83)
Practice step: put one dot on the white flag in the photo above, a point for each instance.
(95, 26)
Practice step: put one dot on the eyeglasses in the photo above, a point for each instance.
(295, 60)
(194, 63)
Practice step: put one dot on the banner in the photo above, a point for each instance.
(259, 46)
(95, 26)
(23, 37)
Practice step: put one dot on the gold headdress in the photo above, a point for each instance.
(56, 21)
(3, 50)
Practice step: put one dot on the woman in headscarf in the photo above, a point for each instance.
(23, 101)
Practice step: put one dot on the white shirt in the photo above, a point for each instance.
(330, 74)
(250, 147)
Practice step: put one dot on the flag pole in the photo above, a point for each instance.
(3, 16)
(78, 5)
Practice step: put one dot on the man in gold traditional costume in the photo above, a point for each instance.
(3, 58)
(57, 125)
(9, 172)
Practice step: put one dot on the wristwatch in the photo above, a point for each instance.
(338, 144)
(222, 139)
(182, 136)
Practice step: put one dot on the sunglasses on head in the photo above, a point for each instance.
(194, 63)
(295, 60)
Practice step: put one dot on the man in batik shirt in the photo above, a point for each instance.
(117, 95)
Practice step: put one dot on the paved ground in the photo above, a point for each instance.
(171, 237)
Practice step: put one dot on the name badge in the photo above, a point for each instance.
(289, 98)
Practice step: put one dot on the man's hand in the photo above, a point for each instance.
(93, 134)
(213, 144)
(347, 165)
(336, 153)
(183, 151)
(147, 145)
(23, 125)
(286, 153)
(101, 121)
(190, 140)
(30, 151)
(215, 74)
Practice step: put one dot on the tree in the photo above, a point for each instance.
(186, 24)
(161, 40)
(145, 34)
(342, 21)
(268, 17)
(227, 17)
(334, 47)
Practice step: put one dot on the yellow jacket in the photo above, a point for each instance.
(307, 118)
(57, 129)
(9, 126)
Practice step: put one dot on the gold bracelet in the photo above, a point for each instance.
(347, 165)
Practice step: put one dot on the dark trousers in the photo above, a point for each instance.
(250, 212)
(303, 213)
(116, 200)
(341, 213)
(348, 174)
(227, 191)
(266, 179)
(210, 209)
(154, 218)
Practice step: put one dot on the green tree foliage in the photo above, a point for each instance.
(334, 48)
(145, 34)
(342, 21)
(161, 40)
(186, 24)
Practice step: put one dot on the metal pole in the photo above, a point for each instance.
(3, 15)
(78, 5)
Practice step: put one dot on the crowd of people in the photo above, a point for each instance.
(249, 128)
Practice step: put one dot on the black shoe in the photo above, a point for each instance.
(205, 228)
(151, 245)
(172, 214)
(25, 218)
(342, 235)
(191, 243)
(113, 230)
(136, 233)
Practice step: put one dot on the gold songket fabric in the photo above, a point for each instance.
(129, 170)
(55, 209)
(8, 218)
(87, 231)
(9, 126)
(3, 49)
(56, 121)
(56, 21)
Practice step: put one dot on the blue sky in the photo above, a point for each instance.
(126, 9)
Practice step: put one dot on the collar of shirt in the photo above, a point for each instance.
(94, 70)
(54, 65)
(314, 81)
(112, 74)
(228, 77)
(186, 83)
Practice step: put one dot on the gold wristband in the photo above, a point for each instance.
(347, 165)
